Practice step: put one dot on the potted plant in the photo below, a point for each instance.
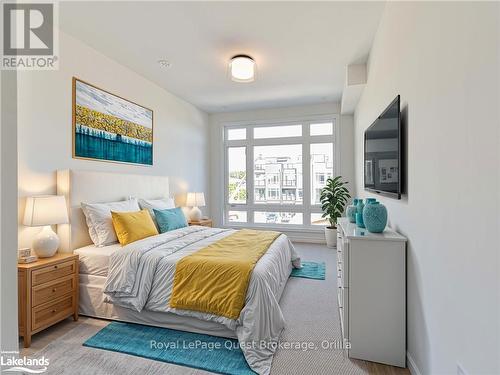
(333, 199)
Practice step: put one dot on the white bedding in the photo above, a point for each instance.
(95, 260)
(91, 303)
(141, 277)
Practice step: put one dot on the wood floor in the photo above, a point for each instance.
(42, 339)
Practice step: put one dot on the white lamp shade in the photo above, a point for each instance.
(45, 210)
(195, 200)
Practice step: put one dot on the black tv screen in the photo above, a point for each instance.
(383, 152)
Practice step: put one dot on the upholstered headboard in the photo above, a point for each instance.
(96, 187)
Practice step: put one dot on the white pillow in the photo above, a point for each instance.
(98, 217)
(157, 204)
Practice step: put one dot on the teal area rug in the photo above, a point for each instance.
(205, 352)
(310, 270)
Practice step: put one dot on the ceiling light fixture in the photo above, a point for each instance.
(242, 68)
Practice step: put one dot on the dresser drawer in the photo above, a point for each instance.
(48, 313)
(49, 291)
(52, 272)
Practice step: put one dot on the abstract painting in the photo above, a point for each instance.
(108, 127)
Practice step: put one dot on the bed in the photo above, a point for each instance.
(105, 271)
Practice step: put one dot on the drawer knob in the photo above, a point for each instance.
(55, 267)
(54, 311)
(54, 290)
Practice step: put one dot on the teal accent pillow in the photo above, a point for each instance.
(170, 219)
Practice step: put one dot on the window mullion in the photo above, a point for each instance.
(250, 173)
(336, 148)
(227, 206)
(306, 175)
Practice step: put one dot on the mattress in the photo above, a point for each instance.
(95, 260)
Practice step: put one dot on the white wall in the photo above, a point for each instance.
(8, 209)
(443, 59)
(218, 120)
(45, 130)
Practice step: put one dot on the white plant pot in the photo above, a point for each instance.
(331, 237)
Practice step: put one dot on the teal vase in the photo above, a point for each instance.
(370, 200)
(359, 220)
(375, 217)
(359, 213)
(360, 205)
(351, 213)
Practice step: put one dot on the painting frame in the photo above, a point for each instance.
(75, 80)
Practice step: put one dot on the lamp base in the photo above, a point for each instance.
(195, 214)
(46, 243)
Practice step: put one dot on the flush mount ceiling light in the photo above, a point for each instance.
(242, 68)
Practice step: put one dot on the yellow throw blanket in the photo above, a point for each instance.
(215, 279)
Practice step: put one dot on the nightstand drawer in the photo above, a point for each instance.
(54, 289)
(48, 313)
(52, 272)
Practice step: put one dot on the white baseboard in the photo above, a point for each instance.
(412, 366)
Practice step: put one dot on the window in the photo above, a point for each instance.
(317, 219)
(275, 172)
(237, 175)
(278, 217)
(321, 168)
(237, 216)
(236, 134)
(325, 128)
(276, 168)
(281, 131)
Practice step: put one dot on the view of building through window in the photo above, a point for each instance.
(278, 174)
(321, 168)
(277, 178)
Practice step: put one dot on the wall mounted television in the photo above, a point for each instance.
(383, 169)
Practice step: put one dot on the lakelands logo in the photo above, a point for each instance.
(24, 364)
(30, 39)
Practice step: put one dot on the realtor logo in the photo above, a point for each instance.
(29, 36)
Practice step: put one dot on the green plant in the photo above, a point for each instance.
(333, 199)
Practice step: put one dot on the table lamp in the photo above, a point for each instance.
(195, 200)
(44, 211)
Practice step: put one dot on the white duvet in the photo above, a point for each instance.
(141, 277)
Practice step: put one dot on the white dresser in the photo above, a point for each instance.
(371, 281)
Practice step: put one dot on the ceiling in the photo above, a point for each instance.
(301, 49)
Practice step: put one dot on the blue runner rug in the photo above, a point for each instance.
(205, 352)
(310, 270)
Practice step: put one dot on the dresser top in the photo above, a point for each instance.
(351, 230)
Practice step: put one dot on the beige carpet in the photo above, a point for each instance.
(310, 309)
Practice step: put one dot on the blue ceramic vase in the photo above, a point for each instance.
(351, 211)
(375, 217)
(359, 213)
(360, 205)
(359, 220)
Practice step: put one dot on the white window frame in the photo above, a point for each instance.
(306, 208)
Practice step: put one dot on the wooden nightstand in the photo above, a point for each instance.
(202, 222)
(47, 293)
